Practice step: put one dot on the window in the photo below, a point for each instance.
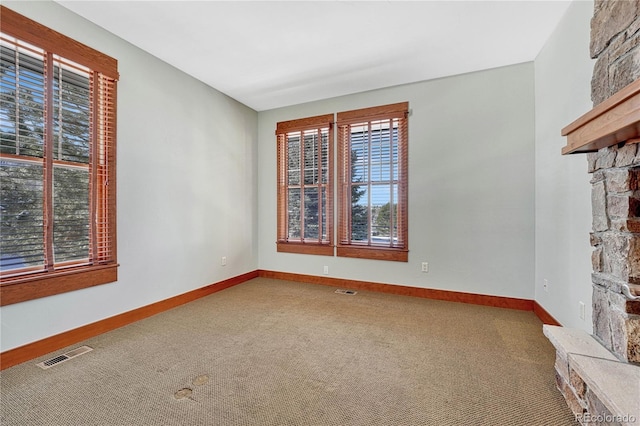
(305, 185)
(372, 184)
(372, 188)
(57, 162)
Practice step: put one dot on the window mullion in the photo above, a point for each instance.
(48, 164)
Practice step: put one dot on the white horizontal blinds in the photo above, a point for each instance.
(50, 129)
(22, 137)
(304, 181)
(373, 177)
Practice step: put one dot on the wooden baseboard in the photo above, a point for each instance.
(544, 316)
(450, 296)
(41, 347)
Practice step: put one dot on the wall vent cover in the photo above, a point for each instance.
(349, 292)
(64, 357)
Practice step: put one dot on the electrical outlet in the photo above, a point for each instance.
(425, 267)
(545, 285)
(326, 270)
(223, 261)
(581, 304)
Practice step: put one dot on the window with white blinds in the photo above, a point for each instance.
(57, 163)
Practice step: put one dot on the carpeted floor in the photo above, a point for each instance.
(269, 352)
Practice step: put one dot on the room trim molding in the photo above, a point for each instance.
(50, 344)
(41, 347)
(543, 315)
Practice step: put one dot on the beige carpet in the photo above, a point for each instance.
(271, 352)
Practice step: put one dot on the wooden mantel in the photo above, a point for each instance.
(614, 121)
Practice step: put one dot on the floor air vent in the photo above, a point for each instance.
(64, 357)
(349, 292)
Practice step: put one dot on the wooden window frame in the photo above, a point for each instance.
(102, 265)
(346, 248)
(303, 246)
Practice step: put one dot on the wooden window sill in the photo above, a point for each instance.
(376, 253)
(35, 286)
(306, 248)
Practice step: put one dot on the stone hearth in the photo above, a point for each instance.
(598, 387)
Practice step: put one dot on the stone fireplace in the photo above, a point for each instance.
(599, 374)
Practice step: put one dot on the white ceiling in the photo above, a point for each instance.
(271, 54)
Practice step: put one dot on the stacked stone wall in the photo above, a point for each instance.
(615, 44)
(615, 195)
(615, 198)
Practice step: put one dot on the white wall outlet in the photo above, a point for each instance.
(223, 261)
(581, 304)
(425, 267)
(325, 270)
(545, 285)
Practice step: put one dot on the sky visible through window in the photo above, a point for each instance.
(374, 181)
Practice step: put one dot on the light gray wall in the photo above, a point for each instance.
(186, 153)
(471, 185)
(563, 194)
(186, 188)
